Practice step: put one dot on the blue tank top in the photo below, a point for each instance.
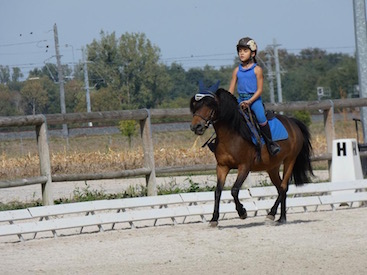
(246, 82)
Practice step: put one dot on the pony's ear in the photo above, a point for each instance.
(214, 87)
(205, 90)
(202, 87)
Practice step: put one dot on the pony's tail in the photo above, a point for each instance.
(302, 168)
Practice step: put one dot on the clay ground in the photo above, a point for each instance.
(323, 242)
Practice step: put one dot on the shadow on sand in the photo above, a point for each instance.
(264, 223)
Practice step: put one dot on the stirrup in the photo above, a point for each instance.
(273, 148)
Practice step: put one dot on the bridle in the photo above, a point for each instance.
(208, 120)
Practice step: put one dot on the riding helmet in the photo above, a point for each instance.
(247, 42)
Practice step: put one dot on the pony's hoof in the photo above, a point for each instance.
(213, 223)
(282, 221)
(243, 216)
(270, 218)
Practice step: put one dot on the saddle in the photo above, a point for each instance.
(254, 126)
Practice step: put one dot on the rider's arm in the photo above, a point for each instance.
(233, 82)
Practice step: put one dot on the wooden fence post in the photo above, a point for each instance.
(329, 130)
(45, 163)
(146, 135)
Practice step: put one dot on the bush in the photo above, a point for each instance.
(128, 128)
(303, 116)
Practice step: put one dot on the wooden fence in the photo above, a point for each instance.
(144, 116)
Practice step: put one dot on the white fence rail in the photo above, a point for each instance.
(176, 208)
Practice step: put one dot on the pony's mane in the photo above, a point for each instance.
(229, 113)
(226, 108)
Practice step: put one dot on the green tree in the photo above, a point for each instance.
(74, 93)
(8, 102)
(143, 78)
(129, 65)
(102, 57)
(16, 75)
(4, 74)
(53, 95)
(177, 75)
(313, 68)
(15, 84)
(105, 99)
(34, 97)
(343, 76)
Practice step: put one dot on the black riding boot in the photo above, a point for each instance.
(273, 148)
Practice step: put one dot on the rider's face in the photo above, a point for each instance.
(244, 54)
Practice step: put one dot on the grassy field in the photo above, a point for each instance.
(93, 154)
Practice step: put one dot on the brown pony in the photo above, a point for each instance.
(235, 150)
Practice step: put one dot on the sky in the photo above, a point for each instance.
(193, 33)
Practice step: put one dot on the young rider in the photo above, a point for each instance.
(249, 79)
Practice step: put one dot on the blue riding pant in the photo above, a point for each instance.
(257, 107)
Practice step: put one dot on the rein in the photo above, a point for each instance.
(208, 121)
(210, 140)
(251, 124)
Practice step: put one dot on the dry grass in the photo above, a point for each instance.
(112, 153)
(95, 154)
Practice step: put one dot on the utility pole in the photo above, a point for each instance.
(61, 80)
(360, 29)
(270, 77)
(86, 83)
(277, 71)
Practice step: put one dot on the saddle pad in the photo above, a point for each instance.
(277, 129)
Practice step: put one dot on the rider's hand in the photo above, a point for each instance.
(245, 104)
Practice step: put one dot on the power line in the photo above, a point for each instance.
(20, 53)
(196, 56)
(321, 48)
(22, 43)
(202, 60)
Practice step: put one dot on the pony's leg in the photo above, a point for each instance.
(287, 173)
(241, 176)
(282, 195)
(222, 172)
(277, 181)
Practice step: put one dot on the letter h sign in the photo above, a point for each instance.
(341, 149)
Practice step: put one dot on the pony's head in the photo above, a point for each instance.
(203, 106)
